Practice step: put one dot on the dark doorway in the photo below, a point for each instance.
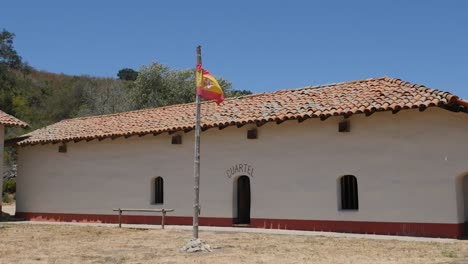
(243, 200)
(465, 230)
(465, 205)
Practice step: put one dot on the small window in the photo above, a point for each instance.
(349, 193)
(344, 126)
(177, 139)
(159, 190)
(252, 133)
(62, 148)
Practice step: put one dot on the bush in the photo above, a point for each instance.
(9, 186)
(6, 198)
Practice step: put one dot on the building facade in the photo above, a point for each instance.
(395, 171)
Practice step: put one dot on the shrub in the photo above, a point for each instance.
(6, 198)
(9, 185)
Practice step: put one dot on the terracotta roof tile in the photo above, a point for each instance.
(11, 121)
(363, 96)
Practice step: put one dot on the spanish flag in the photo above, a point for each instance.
(207, 86)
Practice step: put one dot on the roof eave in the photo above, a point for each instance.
(457, 100)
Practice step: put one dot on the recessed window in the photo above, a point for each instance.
(158, 190)
(252, 133)
(62, 148)
(344, 126)
(349, 193)
(177, 139)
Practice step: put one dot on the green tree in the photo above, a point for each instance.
(105, 96)
(159, 85)
(237, 93)
(127, 74)
(9, 62)
(8, 54)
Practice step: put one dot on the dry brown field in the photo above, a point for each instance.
(27, 243)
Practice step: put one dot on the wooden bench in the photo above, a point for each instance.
(163, 211)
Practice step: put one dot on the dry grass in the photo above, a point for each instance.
(77, 244)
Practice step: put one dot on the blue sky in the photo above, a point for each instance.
(258, 45)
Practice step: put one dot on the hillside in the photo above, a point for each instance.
(41, 98)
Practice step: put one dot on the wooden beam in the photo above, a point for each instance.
(279, 121)
(221, 127)
(162, 219)
(14, 141)
(260, 123)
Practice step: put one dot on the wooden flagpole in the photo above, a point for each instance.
(196, 166)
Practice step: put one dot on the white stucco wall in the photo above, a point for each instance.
(406, 165)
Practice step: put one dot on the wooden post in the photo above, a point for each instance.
(120, 218)
(163, 216)
(196, 166)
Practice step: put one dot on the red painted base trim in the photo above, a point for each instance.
(381, 228)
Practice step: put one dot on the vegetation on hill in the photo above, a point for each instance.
(41, 98)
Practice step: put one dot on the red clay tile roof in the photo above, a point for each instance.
(347, 98)
(10, 121)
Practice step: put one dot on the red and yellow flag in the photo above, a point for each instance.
(207, 86)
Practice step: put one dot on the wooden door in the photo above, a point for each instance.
(465, 231)
(243, 200)
(465, 205)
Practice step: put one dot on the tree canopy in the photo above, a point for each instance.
(127, 74)
(8, 55)
(159, 85)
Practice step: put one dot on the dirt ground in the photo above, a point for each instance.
(25, 243)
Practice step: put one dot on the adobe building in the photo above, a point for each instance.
(6, 120)
(379, 156)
